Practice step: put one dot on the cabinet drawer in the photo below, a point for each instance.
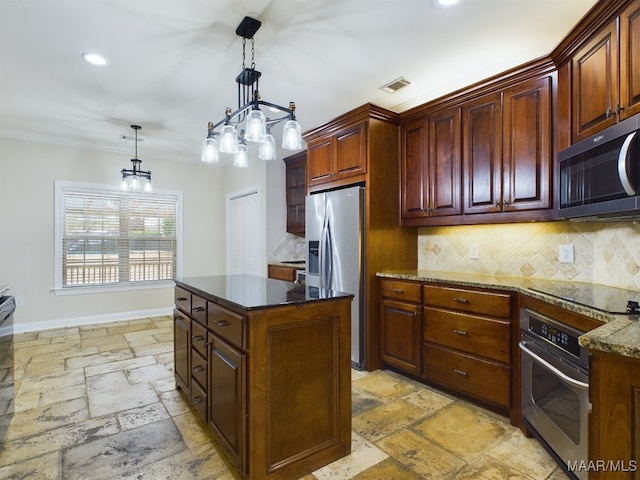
(288, 274)
(199, 338)
(227, 324)
(199, 400)
(495, 304)
(199, 369)
(476, 335)
(481, 379)
(183, 300)
(400, 290)
(199, 309)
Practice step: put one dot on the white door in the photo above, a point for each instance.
(244, 248)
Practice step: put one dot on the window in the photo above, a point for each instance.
(109, 238)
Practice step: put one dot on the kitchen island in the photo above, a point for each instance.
(267, 364)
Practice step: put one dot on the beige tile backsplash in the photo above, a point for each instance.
(606, 253)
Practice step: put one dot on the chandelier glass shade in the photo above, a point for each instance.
(135, 179)
(248, 123)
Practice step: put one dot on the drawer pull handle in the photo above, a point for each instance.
(181, 299)
(461, 332)
(197, 399)
(461, 300)
(197, 309)
(398, 290)
(197, 338)
(221, 323)
(197, 369)
(460, 372)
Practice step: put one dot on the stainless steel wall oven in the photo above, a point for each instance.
(555, 388)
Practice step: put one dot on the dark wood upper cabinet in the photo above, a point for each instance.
(431, 166)
(482, 154)
(296, 185)
(527, 146)
(606, 75)
(595, 83)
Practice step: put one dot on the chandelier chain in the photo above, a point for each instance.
(253, 53)
(244, 44)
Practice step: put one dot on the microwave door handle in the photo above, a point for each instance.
(622, 165)
(552, 369)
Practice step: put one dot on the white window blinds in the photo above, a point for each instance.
(115, 238)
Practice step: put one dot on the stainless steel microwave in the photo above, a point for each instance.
(600, 175)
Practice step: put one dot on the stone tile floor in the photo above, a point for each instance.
(99, 402)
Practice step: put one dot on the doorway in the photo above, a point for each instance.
(245, 249)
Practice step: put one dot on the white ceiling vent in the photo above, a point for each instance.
(395, 85)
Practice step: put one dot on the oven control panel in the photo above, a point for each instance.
(567, 341)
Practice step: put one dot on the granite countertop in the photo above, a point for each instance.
(620, 333)
(250, 292)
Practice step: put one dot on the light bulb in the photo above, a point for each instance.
(256, 126)
(228, 139)
(267, 150)
(124, 185)
(291, 135)
(148, 187)
(134, 183)
(241, 157)
(210, 150)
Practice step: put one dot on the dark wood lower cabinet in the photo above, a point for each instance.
(181, 336)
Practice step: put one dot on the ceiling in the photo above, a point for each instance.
(173, 63)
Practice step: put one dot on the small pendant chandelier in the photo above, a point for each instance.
(136, 179)
(257, 126)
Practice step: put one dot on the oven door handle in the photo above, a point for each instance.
(552, 369)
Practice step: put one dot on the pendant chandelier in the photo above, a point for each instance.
(135, 179)
(248, 123)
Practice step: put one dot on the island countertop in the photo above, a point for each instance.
(251, 292)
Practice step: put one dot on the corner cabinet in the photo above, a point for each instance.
(606, 75)
(296, 185)
(253, 373)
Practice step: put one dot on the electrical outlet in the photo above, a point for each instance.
(565, 253)
(19, 301)
(473, 252)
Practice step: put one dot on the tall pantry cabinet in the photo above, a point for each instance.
(362, 147)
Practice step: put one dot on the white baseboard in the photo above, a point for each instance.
(90, 320)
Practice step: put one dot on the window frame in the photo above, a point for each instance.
(59, 288)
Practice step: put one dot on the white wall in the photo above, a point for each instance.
(27, 174)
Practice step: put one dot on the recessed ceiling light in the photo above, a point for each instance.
(446, 3)
(95, 59)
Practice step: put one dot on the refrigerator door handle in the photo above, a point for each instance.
(325, 254)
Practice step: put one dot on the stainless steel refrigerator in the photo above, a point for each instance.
(334, 233)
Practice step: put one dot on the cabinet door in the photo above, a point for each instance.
(296, 184)
(401, 328)
(527, 157)
(320, 160)
(351, 150)
(181, 350)
(227, 398)
(482, 153)
(444, 164)
(414, 170)
(595, 84)
(630, 59)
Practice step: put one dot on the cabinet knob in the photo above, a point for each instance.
(460, 300)
(461, 372)
(398, 290)
(181, 299)
(221, 323)
(461, 332)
